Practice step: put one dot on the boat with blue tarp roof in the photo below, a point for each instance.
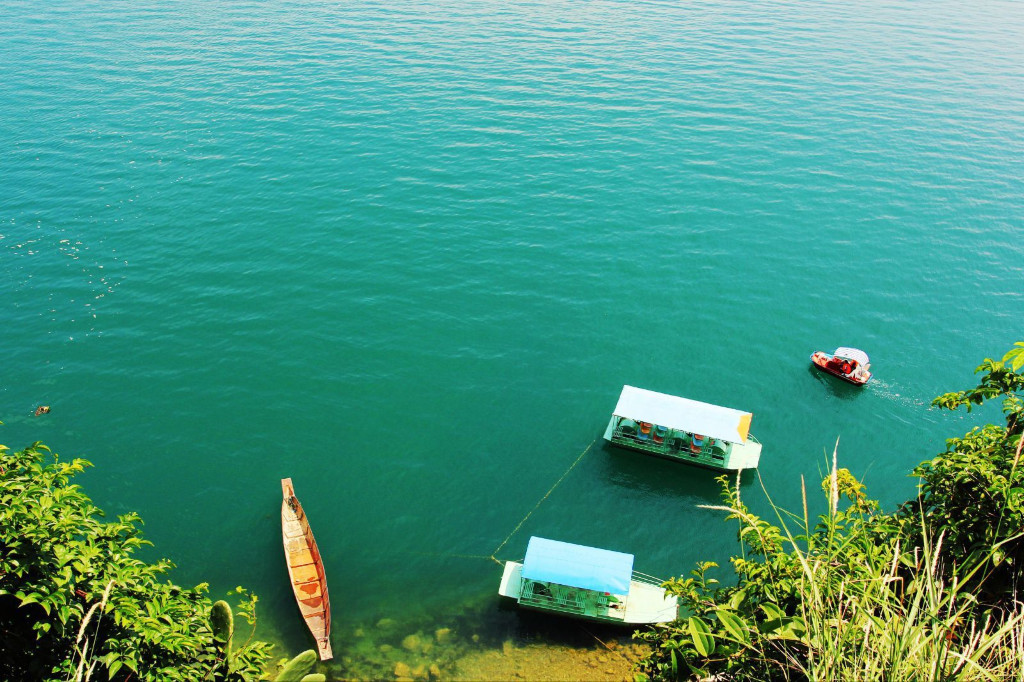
(586, 582)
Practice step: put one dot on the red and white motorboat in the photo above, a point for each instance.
(849, 364)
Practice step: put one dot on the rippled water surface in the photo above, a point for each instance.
(408, 254)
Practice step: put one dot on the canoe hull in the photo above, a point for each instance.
(306, 570)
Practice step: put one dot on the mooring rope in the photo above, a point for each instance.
(444, 555)
(492, 557)
(605, 645)
(541, 501)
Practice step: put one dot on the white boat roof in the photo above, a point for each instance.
(853, 354)
(682, 414)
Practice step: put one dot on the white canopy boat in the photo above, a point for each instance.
(684, 430)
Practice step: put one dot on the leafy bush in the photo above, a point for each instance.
(974, 491)
(926, 593)
(76, 604)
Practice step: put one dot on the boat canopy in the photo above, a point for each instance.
(852, 354)
(588, 568)
(682, 414)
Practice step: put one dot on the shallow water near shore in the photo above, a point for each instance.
(408, 255)
(476, 641)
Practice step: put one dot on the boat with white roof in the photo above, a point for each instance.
(683, 430)
(849, 364)
(586, 582)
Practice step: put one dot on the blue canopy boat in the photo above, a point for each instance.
(586, 582)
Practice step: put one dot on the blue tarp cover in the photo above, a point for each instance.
(589, 568)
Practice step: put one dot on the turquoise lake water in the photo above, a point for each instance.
(408, 254)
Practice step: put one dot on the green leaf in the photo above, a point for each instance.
(737, 598)
(30, 598)
(703, 641)
(772, 611)
(734, 625)
(791, 629)
(774, 618)
(1016, 356)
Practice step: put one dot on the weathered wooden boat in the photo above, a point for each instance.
(306, 570)
(683, 430)
(586, 582)
(849, 364)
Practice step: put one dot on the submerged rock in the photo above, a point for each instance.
(442, 635)
(402, 670)
(412, 643)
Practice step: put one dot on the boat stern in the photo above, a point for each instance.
(511, 580)
(744, 455)
(649, 604)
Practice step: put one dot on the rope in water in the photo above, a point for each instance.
(440, 555)
(541, 501)
(492, 557)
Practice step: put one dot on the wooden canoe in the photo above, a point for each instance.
(306, 570)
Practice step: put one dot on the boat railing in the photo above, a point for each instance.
(672, 445)
(647, 579)
(551, 597)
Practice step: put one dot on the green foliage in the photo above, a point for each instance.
(998, 380)
(74, 601)
(974, 492)
(928, 592)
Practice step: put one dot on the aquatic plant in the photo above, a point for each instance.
(297, 668)
(925, 593)
(222, 624)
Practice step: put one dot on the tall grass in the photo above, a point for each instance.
(865, 606)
